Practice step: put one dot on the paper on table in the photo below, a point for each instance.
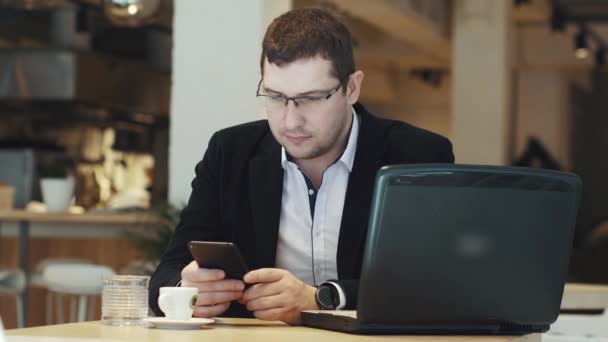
(581, 325)
(52, 339)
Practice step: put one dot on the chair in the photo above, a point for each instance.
(35, 279)
(12, 282)
(80, 280)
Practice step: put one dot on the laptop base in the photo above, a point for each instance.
(353, 326)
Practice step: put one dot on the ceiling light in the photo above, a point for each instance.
(132, 9)
(581, 48)
(130, 12)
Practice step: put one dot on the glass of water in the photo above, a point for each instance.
(124, 300)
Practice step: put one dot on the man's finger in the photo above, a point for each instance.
(275, 314)
(202, 274)
(213, 298)
(220, 285)
(261, 290)
(264, 303)
(210, 311)
(264, 275)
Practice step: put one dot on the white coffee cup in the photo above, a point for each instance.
(177, 302)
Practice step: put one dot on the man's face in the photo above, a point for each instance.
(309, 130)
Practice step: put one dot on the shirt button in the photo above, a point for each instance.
(311, 192)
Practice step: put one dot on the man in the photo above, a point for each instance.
(294, 191)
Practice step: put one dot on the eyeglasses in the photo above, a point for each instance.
(278, 102)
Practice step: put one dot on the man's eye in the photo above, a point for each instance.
(276, 98)
(307, 99)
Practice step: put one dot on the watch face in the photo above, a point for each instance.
(325, 298)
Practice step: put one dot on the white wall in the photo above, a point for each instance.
(215, 73)
(481, 80)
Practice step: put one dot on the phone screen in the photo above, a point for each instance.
(219, 255)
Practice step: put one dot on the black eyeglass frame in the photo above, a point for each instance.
(295, 99)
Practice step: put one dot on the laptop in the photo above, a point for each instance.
(460, 249)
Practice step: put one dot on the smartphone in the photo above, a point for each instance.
(219, 255)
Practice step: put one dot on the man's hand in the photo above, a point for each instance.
(278, 295)
(214, 292)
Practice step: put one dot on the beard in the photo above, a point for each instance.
(318, 144)
(313, 148)
(311, 152)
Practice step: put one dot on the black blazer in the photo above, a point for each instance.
(236, 196)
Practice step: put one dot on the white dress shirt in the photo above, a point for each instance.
(308, 247)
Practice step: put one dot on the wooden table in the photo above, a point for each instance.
(234, 329)
(24, 218)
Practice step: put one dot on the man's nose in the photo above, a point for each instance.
(293, 118)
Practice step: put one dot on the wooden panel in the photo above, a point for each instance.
(114, 253)
(93, 217)
(537, 11)
(373, 46)
(403, 22)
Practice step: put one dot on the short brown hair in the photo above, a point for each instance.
(306, 33)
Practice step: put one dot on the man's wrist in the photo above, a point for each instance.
(314, 305)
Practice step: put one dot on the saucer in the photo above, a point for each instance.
(164, 323)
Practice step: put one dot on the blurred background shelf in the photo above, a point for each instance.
(89, 217)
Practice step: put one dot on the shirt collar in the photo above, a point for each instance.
(348, 156)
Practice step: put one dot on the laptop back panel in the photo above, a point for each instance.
(468, 245)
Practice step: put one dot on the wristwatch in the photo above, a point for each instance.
(330, 296)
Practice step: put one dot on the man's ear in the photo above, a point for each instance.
(353, 88)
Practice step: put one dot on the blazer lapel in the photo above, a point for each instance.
(265, 192)
(357, 202)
